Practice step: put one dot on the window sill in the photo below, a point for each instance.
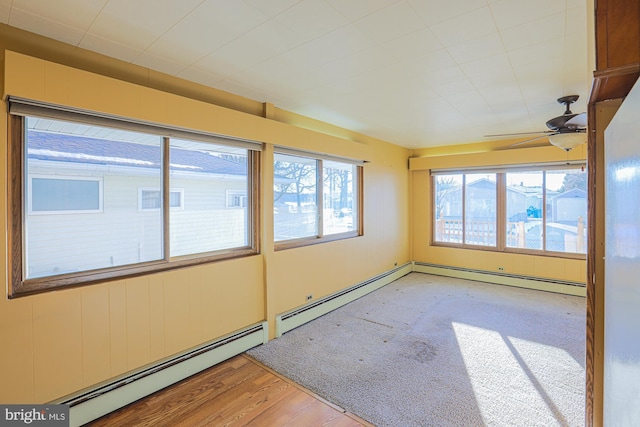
(308, 241)
(70, 280)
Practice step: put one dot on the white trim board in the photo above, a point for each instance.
(549, 285)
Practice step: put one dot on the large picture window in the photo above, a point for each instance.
(103, 202)
(537, 210)
(315, 199)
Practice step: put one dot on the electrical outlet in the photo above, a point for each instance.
(500, 268)
(309, 297)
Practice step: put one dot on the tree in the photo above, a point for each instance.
(294, 178)
(338, 180)
(445, 185)
(574, 180)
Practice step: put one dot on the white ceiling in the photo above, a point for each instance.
(417, 73)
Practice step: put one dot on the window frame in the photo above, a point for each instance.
(320, 237)
(501, 206)
(18, 209)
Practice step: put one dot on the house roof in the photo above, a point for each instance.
(57, 147)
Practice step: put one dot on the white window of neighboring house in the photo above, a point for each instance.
(64, 194)
(150, 198)
(236, 199)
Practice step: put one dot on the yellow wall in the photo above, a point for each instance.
(59, 342)
(527, 265)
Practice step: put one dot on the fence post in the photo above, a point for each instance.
(440, 230)
(521, 236)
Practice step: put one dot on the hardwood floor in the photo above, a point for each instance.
(237, 392)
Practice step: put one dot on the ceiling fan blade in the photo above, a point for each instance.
(579, 121)
(520, 133)
(532, 139)
(560, 121)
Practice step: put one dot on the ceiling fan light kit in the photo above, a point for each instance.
(567, 141)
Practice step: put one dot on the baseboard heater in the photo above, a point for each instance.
(92, 404)
(549, 285)
(294, 318)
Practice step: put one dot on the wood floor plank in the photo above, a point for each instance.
(236, 393)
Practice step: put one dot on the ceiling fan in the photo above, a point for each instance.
(565, 131)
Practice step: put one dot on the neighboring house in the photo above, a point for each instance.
(482, 197)
(568, 207)
(74, 184)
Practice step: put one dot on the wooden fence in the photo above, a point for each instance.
(484, 233)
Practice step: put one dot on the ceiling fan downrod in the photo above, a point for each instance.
(567, 101)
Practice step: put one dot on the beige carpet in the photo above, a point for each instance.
(434, 351)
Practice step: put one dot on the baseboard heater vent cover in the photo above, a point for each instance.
(542, 284)
(92, 404)
(294, 318)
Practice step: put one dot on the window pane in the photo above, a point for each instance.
(175, 199)
(205, 173)
(50, 194)
(340, 197)
(524, 210)
(65, 231)
(566, 229)
(294, 187)
(480, 209)
(151, 199)
(448, 208)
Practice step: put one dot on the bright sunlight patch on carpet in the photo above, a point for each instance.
(515, 372)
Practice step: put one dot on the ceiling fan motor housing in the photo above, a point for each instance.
(560, 123)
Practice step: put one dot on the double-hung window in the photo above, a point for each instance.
(315, 199)
(95, 197)
(536, 209)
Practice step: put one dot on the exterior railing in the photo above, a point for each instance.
(476, 233)
(484, 233)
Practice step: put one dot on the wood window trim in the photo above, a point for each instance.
(501, 246)
(18, 286)
(315, 240)
(15, 154)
